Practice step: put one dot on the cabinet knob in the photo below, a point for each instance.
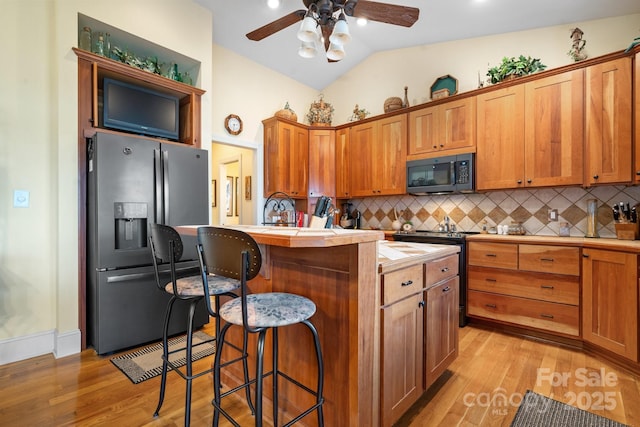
(421, 304)
(447, 289)
(585, 255)
(441, 145)
(529, 181)
(596, 176)
(444, 270)
(637, 172)
(435, 146)
(519, 181)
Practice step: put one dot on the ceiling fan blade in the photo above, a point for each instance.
(277, 25)
(388, 13)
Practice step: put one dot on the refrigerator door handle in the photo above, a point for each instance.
(165, 186)
(158, 187)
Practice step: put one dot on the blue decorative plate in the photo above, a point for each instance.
(445, 82)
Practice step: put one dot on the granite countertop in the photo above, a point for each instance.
(395, 255)
(296, 237)
(585, 242)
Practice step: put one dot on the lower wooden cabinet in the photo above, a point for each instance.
(610, 301)
(441, 328)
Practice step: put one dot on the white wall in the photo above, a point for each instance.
(38, 153)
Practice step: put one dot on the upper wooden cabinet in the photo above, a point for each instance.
(531, 135)
(342, 163)
(448, 127)
(286, 156)
(554, 129)
(608, 122)
(500, 139)
(636, 95)
(378, 154)
(322, 154)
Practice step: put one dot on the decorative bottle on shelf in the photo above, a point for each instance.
(107, 45)
(98, 43)
(85, 39)
(405, 103)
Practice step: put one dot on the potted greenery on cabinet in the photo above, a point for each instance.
(514, 67)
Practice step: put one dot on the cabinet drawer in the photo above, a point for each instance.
(501, 255)
(549, 259)
(549, 316)
(401, 283)
(441, 269)
(545, 287)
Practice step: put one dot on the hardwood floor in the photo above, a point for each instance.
(87, 390)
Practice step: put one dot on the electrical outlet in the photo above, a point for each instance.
(552, 214)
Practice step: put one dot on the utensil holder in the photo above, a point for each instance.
(627, 231)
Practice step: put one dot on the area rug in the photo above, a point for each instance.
(140, 365)
(537, 410)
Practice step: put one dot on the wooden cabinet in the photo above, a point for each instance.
(636, 94)
(500, 139)
(342, 163)
(286, 156)
(610, 301)
(448, 127)
(536, 286)
(531, 135)
(401, 361)
(554, 130)
(322, 153)
(378, 153)
(441, 317)
(608, 122)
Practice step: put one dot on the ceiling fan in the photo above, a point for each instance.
(327, 15)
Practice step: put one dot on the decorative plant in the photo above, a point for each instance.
(358, 114)
(516, 67)
(320, 112)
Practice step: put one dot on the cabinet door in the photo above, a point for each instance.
(610, 301)
(637, 118)
(298, 162)
(554, 130)
(423, 134)
(608, 122)
(500, 139)
(322, 154)
(361, 154)
(342, 163)
(441, 325)
(458, 124)
(390, 156)
(402, 361)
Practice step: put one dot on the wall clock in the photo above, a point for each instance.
(233, 124)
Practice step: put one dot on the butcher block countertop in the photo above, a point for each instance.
(396, 255)
(296, 237)
(585, 242)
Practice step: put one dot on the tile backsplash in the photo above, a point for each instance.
(528, 206)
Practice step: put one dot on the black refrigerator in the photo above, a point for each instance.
(131, 183)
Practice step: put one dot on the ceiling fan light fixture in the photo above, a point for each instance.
(335, 51)
(307, 50)
(308, 31)
(340, 33)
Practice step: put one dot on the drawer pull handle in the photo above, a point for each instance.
(546, 259)
(447, 289)
(490, 305)
(489, 279)
(546, 316)
(407, 283)
(546, 286)
(491, 255)
(445, 269)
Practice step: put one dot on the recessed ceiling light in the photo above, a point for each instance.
(273, 4)
(362, 21)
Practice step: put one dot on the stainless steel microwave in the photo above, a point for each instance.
(441, 175)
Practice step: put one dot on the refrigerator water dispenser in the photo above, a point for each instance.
(130, 225)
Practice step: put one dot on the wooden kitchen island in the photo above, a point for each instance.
(339, 271)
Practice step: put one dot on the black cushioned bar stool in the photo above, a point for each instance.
(166, 246)
(236, 254)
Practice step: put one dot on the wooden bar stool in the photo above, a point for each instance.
(236, 254)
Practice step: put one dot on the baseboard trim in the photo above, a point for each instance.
(28, 346)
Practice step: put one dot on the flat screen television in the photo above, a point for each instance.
(140, 110)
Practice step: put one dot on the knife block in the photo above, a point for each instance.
(627, 231)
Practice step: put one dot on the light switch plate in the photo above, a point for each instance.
(20, 199)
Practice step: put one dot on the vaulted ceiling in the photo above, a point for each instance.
(439, 21)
